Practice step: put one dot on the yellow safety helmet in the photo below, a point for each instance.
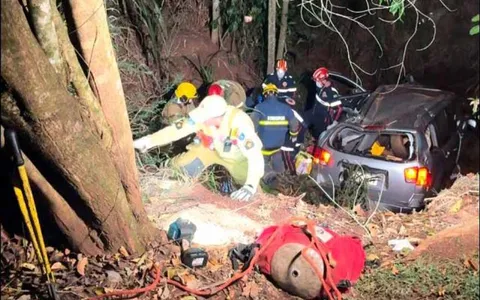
(186, 91)
(270, 88)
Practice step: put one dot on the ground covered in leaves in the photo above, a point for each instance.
(443, 265)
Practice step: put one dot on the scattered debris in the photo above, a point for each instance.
(399, 245)
(79, 276)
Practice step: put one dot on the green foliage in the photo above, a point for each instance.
(146, 118)
(233, 11)
(396, 7)
(420, 280)
(353, 190)
(205, 68)
(249, 37)
(149, 16)
(475, 29)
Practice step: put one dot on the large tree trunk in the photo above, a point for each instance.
(272, 16)
(91, 108)
(283, 30)
(215, 21)
(91, 24)
(49, 117)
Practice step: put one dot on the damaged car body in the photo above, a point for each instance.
(404, 139)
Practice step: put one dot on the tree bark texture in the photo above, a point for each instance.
(40, 12)
(91, 24)
(81, 237)
(91, 106)
(50, 118)
(283, 30)
(272, 16)
(215, 21)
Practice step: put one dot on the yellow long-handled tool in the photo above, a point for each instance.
(29, 211)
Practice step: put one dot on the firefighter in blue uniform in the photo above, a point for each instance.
(327, 108)
(273, 120)
(284, 82)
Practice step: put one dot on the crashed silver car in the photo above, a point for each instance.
(405, 141)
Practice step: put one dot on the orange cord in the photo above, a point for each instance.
(208, 292)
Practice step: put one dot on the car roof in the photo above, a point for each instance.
(405, 107)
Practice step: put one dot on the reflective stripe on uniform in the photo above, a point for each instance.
(273, 123)
(287, 90)
(325, 103)
(297, 116)
(270, 152)
(283, 148)
(293, 133)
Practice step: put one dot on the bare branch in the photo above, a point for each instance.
(322, 11)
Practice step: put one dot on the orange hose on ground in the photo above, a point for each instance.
(310, 226)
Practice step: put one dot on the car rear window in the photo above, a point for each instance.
(383, 145)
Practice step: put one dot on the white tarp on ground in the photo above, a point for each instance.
(215, 226)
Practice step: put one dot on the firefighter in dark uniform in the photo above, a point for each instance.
(273, 120)
(284, 82)
(327, 108)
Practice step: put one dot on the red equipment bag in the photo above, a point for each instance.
(345, 253)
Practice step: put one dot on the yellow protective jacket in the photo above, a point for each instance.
(236, 124)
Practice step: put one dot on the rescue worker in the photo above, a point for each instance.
(284, 82)
(231, 91)
(225, 136)
(181, 104)
(326, 109)
(273, 120)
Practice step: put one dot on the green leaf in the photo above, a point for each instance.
(397, 6)
(474, 30)
(476, 18)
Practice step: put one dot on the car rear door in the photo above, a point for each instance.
(444, 145)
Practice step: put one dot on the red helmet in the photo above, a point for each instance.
(215, 89)
(281, 64)
(320, 73)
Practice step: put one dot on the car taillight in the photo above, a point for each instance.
(419, 175)
(321, 156)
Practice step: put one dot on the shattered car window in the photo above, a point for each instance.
(392, 146)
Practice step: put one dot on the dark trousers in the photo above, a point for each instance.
(316, 119)
(291, 149)
(274, 165)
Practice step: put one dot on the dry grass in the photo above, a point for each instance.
(159, 181)
(465, 189)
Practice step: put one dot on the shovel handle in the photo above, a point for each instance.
(11, 139)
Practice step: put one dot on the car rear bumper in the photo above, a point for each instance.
(387, 202)
(394, 208)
